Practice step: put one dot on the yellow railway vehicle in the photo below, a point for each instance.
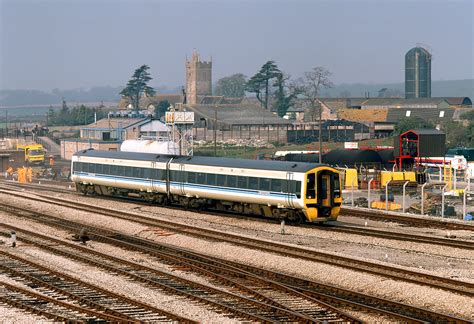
(295, 191)
(34, 153)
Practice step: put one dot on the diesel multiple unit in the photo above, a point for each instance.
(295, 191)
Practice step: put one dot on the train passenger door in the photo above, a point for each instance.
(310, 190)
(153, 172)
(181, 179)
(324, 193)
(290, 189)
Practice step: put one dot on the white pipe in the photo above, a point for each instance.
(368, 193)
(464, 202)
(352, 191)
(442, 200)
(386, 194)
(404, 185)
(423, 198)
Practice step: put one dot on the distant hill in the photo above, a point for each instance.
(54, 97)
(448, 88)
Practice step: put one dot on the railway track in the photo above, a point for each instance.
(251, 306)
(392, 272)
(61, 286)
(415, 220)
(51, 308)
(328, 294)
(345, 211)
(428, 239)
(344, 228)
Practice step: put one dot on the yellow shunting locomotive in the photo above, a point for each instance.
(296, 191)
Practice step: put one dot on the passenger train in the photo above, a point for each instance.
(294, 191)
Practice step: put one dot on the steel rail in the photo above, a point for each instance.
(230, 302)
(329, 294)
(71, 288)
(398, 273)
(50, 307)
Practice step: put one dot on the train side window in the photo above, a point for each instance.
(201, 178)
(147, 173)
(242, 182)
(297, 188)
(176, 175)
(137, 173)
(192, 177)
(77, 166)
(114, 170)
(310, 186)
(85, 167)
(276, 185)
(99, 168)
(128, 171)
(221, 180)
(211, 179)
(337, 186)
(156, 174)
(106, 169)
(264, 184)
(231, 181)
(120, 170)
(253, 183)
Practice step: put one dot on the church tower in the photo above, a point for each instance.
(198, 79)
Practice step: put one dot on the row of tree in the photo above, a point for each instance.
(80, 115)
(273, 88)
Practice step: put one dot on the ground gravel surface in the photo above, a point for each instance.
(444, 261)
(403, 292)
(12, 315)
(114, 283)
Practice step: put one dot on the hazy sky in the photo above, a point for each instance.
(82, 43)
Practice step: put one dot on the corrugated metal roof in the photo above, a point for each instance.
(205, 160)
(241, 114)
(433, 114)
(426, 131)
(117, 123)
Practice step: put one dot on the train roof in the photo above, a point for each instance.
(205, 160)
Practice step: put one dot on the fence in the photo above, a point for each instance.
(431, 198)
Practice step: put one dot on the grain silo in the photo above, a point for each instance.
(418, 73)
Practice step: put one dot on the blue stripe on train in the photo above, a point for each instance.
(180, 185)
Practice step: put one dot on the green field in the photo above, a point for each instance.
(251, 152)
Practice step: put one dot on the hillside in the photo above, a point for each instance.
(448, 88)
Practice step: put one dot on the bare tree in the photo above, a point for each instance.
(310, 86)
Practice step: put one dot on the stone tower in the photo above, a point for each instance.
(198, 79)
